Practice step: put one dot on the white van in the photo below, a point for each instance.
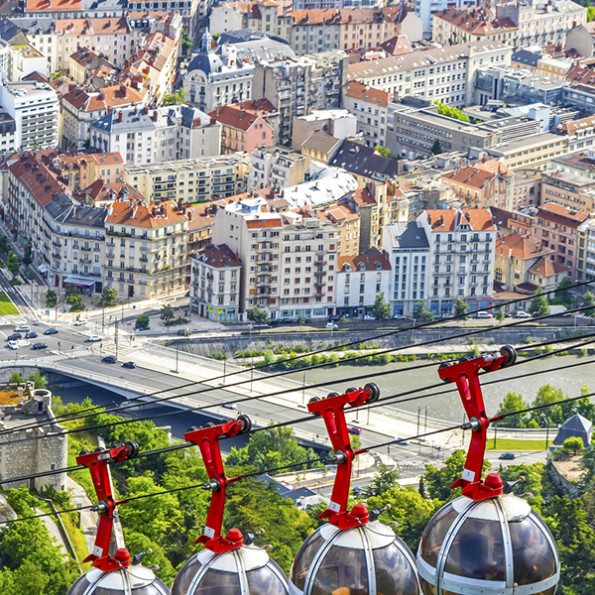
(483, 315)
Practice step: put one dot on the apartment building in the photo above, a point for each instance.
(81, 169)
(298, 86)
(8, 133)
(462, 245)
(146, 249)
(445, 74)
(534, 150)
(347, 223)
(526, 189)
(338, 123)
(143, 135)
(408, 249)
(80, 108)
(289, 268)
(556, 227)
(190, 181)
(585, 260)
(425, 10)
(277, 167)
(73, 245)
(370, 106)
(215, 284)
(582, 163)
(580, 133)
(188, 10)
(269, 17)
(360, 278)
(570, 190)
(35, 109)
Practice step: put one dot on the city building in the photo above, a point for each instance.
(338, 123)
(143, 135)
(35, 109)
(188, 10)
(215, 284)
(347, 222)
(360, 278)
(425, 10)
(462, 246)
(277, 167)
(573, 191)
(585, 260)
(408, 250)
(146, 249)
(81, 169)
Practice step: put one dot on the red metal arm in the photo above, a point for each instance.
(332, 411)
(207, 440)
(98, 464)
(465, 375)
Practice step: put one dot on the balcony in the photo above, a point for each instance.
(57, 255)
(86, 248)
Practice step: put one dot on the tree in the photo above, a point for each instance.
(142, 322)
(12, 263)
(380, 309)
(16, 378)
(562, 296)
(384, 480)
(4, 245)
(38, 380)
(500, 315)
(50, 298)
(436, 147)
(422, 314)
(512, 402)
(590, 14)
(258, 316)
(461, 309)
(538, 306)
(28, 255)
(109, 295)
(589, 300)
(187, 44)
(546, 395)
(574, 443)
(76, 302)
(167, 314)
(175, 98)
(384, 151)
(451, 112)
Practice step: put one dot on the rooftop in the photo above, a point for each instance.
(220, 256)
(452, 219)
(364, 161)
(141, 215)
(406, 235)
(371, 260)
(368, 94)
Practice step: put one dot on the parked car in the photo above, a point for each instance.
(230, 406)
(484, 315)
(129, 365)
(14, 337)
(399, 317)
(39, 345)
(354, 430)
(12, 345)
(109, 359)
(332, 325)
(401, 441)
(507, 456)
(358, 491)
(23, 328)
(369, 317)
(334, 318)
(93, 338)
(50, 331)
(31, 335)
(521, 314)
(80, 322)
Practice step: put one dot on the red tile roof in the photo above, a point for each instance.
(268, 222)
(108, 97)
(86, 26)
(469, 176)
(142, 215)
(101, 191)
(235, 117)
(36, 178)
(368, 94)
(52, 5)
(546, 267)
(219, 256)
(475, 21)
(552, 208)
(372, 260)
(450, 219)
(519, 246)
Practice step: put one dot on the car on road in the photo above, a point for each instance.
(12, 345)
(354, 430)
(80, 322)
(332, 325)
(522, 314)
(50, 331)
(23, 328)
(93, 338)
(109, 359)
(507, 456)
(39, 345)
(31, 335)
(358, 491)
(369, 317)
(14, 337)
(484, 315)
(230, 406)
(401, 441)
(129, 365)
(399, 317)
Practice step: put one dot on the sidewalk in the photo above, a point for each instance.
(88, 518)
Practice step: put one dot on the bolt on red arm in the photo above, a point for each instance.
(98, 463)
(465, 374)
(207, 440)
(332, 410)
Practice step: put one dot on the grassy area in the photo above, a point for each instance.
(510, 444)
(6, 306)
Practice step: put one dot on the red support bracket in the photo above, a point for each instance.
(207, 440)
(465, 374)
(98, 463)
(332, 410)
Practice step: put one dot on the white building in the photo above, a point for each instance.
(360, 279)
(408, 252)
(425, 8)
(36, 111)
(215, 283)
(143, 135)
(462, 247)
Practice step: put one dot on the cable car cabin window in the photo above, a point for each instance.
(477, 551)
(394, 572)
(342, 567)
(534, 559)
(264, 580)
(427, 588)
(216, 582)
(431, 541)
(304, 558)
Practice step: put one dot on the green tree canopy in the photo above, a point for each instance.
(166, 314)
(142, 322)
(258, 316)
(451, 112)
(589, 300)
(461, 308)
(422, 314)
(12, 263)
(512, 402)
(384, 480)
(436, 147)
(574, 444)
(109, 295)
(380, 309)
(538, 306)
(4, 244)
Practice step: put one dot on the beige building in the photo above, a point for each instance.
(526, 188)
(146, 249)
(191, 181)
(277, 167)
(81, 169)
(585, 261)
(569, 190)
(535, 150)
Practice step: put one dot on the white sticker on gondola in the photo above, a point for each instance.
(97, 551)
(468, 475)
(209, 532)
(334, 506)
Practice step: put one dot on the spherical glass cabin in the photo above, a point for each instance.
(133, 580)
(365, 560)
(494, 546)
(244, 571)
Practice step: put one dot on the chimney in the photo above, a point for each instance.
(155, 115)
(120, 115)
